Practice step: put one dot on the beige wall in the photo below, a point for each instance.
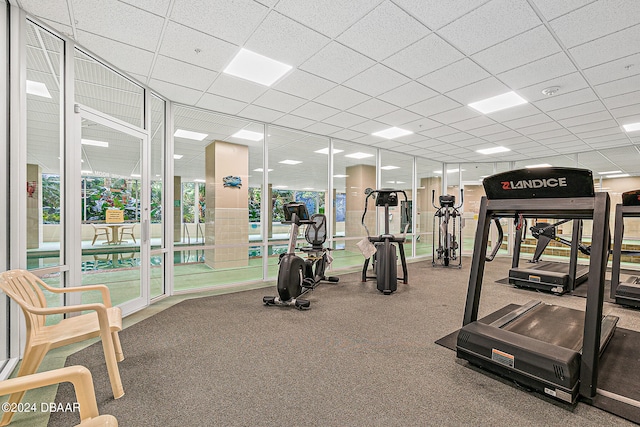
(360, 177)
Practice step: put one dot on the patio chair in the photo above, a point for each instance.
(102, 321)
(100, 230)
(82, 382)
(128, 230)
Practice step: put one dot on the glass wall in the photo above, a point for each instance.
(157, 173)
(396, 171)
(217, 199)
(429, 188)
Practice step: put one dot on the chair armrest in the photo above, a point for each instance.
(104, 290)
(67, 309)
(79, 376)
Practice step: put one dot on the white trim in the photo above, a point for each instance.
(167, 199)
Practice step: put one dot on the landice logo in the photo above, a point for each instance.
(534, 183)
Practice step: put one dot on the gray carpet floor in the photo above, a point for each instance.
(356, 358)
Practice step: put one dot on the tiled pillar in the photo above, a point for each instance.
(34, 203)
(359, 177)
(227, 208)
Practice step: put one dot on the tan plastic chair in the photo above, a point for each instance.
(103, 321)
(100, 230)
(82, 382)
(128, 230)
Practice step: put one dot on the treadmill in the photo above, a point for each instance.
(555, 277)
(551, 349)
(628, 292)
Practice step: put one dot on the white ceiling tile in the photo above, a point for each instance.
(262, 114)
(535, 119)
(129, 58)
(383, 32)
(278, 101)
(314, 111)
(473, 123)
(614, 70)
(576, 110)
(388, 144)
(181, 94)
(191, 76)
(524, 48)
(330, 17)
(538, 71)
(322, 128)
(218, 103)
(587, 118)
(344, 119)
(234, 88)
(434, 105)
(411, 138)
(477, 91)
(347, 134)
(439, 54)
(376, 80)
(567, 83)
(595, 20)
(611, 143)
(431, 12)
(455, 137)
(500, 136)
(341, 97)
(626, 112)
(608, 48)
(398, 118)
(439, 131)
(372, 108)
(421, 125)
(303, 84)
(553, 8)
(367, 140)
(517, 112)
(619, 87)
(368, 127)
(622, 100)
(337, 63)
(455, 115)
(616, 131)
(159, 7)
(587, 127)
(55, 10)
(480, 29)
(285, 40)
(181, 42)
(536, 129)
(488, 130)
(220, 19)
(294, 122)
(408, 94)
(119, 21)
(453, 76)
(427, 143)
(567, 100)
(551, 135)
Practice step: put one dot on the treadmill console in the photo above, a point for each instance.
(631, 198)
(536, 183)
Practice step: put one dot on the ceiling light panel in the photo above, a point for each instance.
(631, 127)
(38, 89)
(290, 162)
(392, 133)
(257, 68)
(95, 143)
(493, 150)
(497, 103)
(358, 155)
(196, 136)
(250, 135)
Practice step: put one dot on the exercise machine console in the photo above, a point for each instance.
(552, 349)
(384, 263)
(449, 239)
(297, 275)
(625, 293)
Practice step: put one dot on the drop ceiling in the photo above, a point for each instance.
(363, 66)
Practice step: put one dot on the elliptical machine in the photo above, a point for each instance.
(447, 247)
(297, 276)
(384, 259)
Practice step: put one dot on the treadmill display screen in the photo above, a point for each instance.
(550, 182)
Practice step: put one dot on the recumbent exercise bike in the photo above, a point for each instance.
(296, 275)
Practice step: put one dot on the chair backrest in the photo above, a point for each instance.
(24, 288)
(316, 233)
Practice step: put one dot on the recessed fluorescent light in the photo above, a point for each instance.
(290, 162)
(247, 134)
(262, 170)
(392, 133)
(135, 175)
(199, 180)
(493, 150)
(359, 155)
(86, 172)
(178, 156)
(326, 151)
(448, 171)
(256, 68)
(631, 127)
(395, 182)
(308, 188)
(340, 176)
(541, 165)
(95, 143)
(38, 88)
(497, 103)
(609, 172)
(280, 186)
(388, 168)
(197, 136)
(620, 175)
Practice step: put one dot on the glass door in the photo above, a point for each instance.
(114, 209)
